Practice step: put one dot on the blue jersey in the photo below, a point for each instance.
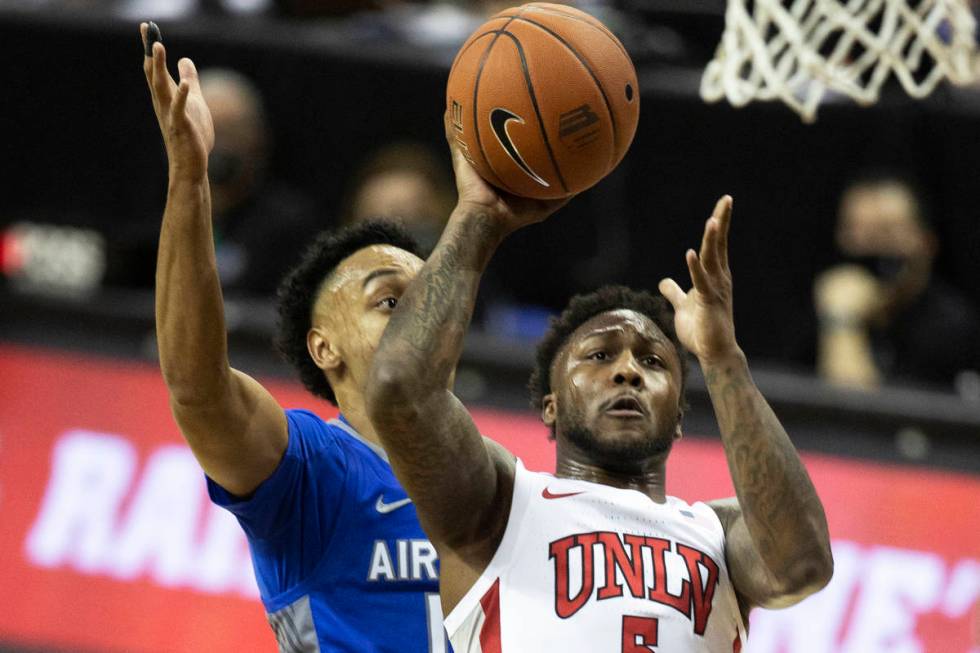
(340, 559)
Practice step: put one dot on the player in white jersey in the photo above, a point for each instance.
(585, 566)
(597, 557)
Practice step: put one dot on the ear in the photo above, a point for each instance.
(322, 349)
(678, 431)
(549, 410)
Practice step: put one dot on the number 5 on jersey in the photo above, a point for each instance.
(639, 634)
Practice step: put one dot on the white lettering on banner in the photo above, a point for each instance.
(90, 475)
(157, 534)
(81, 526)
(813, 625)
(898, 586)
(222, 563)
(871, 605)
(963, 591)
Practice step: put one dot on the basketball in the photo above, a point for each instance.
(543, 100)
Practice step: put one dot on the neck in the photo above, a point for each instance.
(649, 476)
(351, 404)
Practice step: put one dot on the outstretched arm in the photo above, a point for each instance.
(778, 545)
(460, 482)
(235, 428)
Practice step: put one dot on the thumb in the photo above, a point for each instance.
(188, 71)
(447, 126)
(181, 102)
(672, 292)
(462, 168)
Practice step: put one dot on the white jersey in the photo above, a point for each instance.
(588, 568)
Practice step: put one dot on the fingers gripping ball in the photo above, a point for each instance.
(543, 100)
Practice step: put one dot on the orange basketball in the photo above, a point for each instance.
(543, 100)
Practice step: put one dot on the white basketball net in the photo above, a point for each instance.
(796, 50)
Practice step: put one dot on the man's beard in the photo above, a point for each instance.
(617, 455)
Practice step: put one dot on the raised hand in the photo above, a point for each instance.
(185, 121)
(848, 295)
(512, 211)
(703, 315)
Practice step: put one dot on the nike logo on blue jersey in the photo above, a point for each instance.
(385, 508)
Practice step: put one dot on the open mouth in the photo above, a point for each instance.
(625, 407)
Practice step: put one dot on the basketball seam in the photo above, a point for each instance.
(476, 89)
(603, 29)
(473, 39)
(588, 69)
(537, 110)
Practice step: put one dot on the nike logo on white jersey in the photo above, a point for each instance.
(385, 508)
(547, 494)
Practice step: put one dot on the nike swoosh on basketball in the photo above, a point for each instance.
(561, 495)
(498, 120)
(385, 508)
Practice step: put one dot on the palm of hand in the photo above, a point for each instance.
(703, 315)
(512, 211)
(702, 325)
(196, 126)
(184, 118)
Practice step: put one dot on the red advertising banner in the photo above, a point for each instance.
(109, 543)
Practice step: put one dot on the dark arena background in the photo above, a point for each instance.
(108, 541)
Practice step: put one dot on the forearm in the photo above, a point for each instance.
(424, 338)
(460, 488)
(189, 310)
(779, 504)
(844, 356)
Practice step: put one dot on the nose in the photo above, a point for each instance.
(627, 372)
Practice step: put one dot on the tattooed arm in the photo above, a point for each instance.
(777, 542)
(778, 545)
(460, 483)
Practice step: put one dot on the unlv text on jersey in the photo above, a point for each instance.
(697, 590)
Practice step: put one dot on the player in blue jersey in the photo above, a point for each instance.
(340, 558)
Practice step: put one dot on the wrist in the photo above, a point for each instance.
(840, 321)
(726, 361)
(184, 178)
(184, 173)
(481, 224)
(178, 176)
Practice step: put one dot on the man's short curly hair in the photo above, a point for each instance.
(300, 287)
(582, 308)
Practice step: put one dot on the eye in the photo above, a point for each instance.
(653, 361)
(598, 356)
(388, 302)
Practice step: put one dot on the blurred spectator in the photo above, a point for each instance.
(336, 7)
(408, 182)
(259, 225)
(175, 9)
(882, 314)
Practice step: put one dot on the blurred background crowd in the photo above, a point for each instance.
(855, 244)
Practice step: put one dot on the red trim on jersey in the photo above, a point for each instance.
(490, 632)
